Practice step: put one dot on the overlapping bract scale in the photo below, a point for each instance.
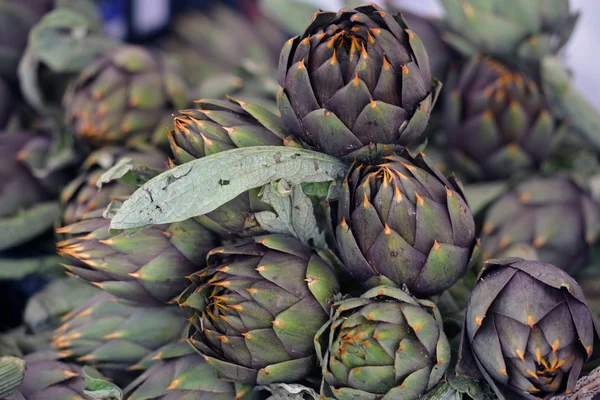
(257, 307)
(355, 78)
(403, 223)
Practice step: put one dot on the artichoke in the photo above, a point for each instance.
(178, 372)
(148, 268)
(353, 79)
(82, 196)
(403, 223)
(383, 345)
(46, 378)
(550, 219)
(28, 186)
(7, 103)
(528, 330)
(510, 29)
(216, 126)
(256, 308)
(497, 122)
(126, 96)
(113, 335)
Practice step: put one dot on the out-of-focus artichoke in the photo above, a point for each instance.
(149, 268)
(356, 78)
(218, 125)
(528, 330)
(256, 308)
(113, 335)
(46, 378)
(549, 219)
(403, 223)
(28, 187)
(178, 372)
(82, 194)
(509, 29)
(127, 95)
(7, 103)
(497, 122)
(383, 345)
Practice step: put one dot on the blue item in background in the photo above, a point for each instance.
(142, 20)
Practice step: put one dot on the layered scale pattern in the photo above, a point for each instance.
(403, 223)
(384, 345)
(355, 78)
(257, 307)
(527, 328)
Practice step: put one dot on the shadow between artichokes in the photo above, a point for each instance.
(384, 345)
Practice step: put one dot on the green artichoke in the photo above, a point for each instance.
(550, 219)
(403, 223)
(383, 345)
(28, 187)
(353, 79)
(178, 372)
(509, 29)
(218, 125)
(113, 335)
(497, 122)
(149, 268)
(49, 379)
(528, 330)
(256, 308)
(82, 195)
(126, 96)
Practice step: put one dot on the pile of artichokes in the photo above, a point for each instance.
(385, 206)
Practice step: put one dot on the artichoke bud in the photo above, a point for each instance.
(124, 97)
(256, 308)
(383, 345)
(528, 330)
(355, 78)
(549, 219)
(149, 268)
(498, 122)
(403, 223)
(221, 125)
(105, 332)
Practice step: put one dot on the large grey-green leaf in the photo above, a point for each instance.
(567, 102)
(128, 173)
(67, 41)
(12, 372)
(98, 388)
(294, 214)
(202, 185)
(285, 391)
(27, 224)
(460, 388)
(58, 298)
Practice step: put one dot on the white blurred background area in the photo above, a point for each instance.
(581, 53)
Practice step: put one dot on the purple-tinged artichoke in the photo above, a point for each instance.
(356, 78)
(403, 223)
(528, 330)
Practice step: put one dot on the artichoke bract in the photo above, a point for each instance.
(355, 78)
(497, 122)
(48, 378)
(510, 29)
(528, 330)
(256, 308)
(82, 195)
(178, 372)
(550, 219)
(218, 125)
(127, 95)
(112, 335)
(403, 223)
(148, 268)
(384, 345)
